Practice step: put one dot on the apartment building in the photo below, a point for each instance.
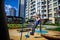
(30, 8)
(46, 8)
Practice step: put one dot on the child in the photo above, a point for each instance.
(37, 21)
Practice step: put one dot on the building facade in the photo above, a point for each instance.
(30, 8)
(12, 11)
(46, 8)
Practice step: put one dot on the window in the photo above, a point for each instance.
(55, 9)
(58, 1)
(32, 13)
(50, 10)
(33, 2)
(33, 9)
(38, 7)
(50, 6)
(49, 1)
(55, 14)
(43, 16)
(43, 2)
(38, 11)
(43, 10)
(54, 0)
(59, 7)
(55, 4)
(43, 7)
(50, 15)
(38, 3)
(33, 5)
(38, 0)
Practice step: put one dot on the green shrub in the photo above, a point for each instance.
(15, 26)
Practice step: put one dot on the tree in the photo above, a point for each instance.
(4, 35)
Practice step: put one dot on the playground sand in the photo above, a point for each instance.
(14, 35)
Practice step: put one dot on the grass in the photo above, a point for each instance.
(56, 24)
(55, 29)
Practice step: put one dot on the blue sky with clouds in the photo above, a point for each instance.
(14, 4)
(11, 4)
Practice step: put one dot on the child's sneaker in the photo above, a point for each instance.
(31, 33)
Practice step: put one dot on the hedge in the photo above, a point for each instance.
(15, 26)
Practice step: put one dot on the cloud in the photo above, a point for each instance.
(7, 7)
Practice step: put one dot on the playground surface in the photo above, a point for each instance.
(15, 35)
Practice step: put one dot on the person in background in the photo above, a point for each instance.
(37, 21)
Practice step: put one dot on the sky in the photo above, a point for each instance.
(14, 4)
(11, 4)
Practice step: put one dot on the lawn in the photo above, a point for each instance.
(55, 29)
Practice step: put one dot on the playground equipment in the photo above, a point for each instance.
(27, 35)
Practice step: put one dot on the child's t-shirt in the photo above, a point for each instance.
(37, 21)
